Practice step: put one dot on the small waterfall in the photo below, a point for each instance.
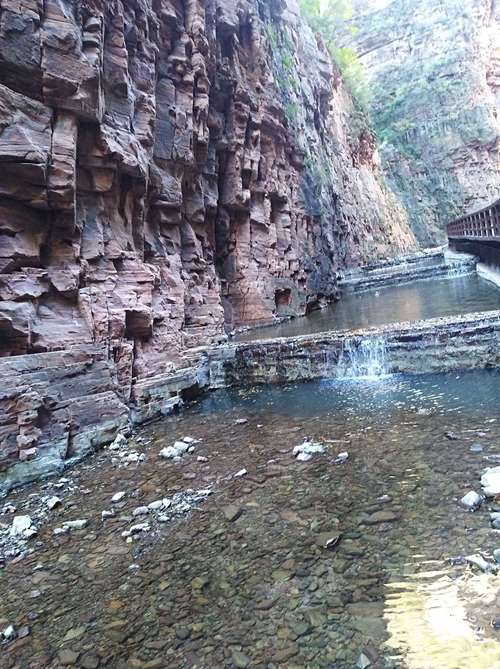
(363, 357)
(459, 269)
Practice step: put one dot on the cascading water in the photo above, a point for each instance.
(363, 358)
(460, 269)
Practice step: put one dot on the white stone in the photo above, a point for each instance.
(202, 458)
(107, 514)
(472, 500)
(156, 506)
(140, 511)
(166, 502)
(9, 632)
(479, 561)
(118, 496)
(60, 530)
(242, 472)
(181, 447)
(490, 481)
(54, 501)
(76, 524)
(168, 453)
(190, 440)
(119, 442)
(309, 448)
(363, 662)
(140, 527)
(341, 457)
(175, 451)
(20, 525)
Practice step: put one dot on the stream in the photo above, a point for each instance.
(420, 300)
(324, 564)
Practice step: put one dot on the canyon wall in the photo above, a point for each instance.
(170, 168)
(433, 75)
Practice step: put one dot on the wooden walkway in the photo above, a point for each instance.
(483, 225)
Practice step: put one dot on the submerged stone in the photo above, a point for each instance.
(240, 660)
(232, 512)
(381, 517)
(472, 500)
(305, 451)
(476, 448)
(490, 481)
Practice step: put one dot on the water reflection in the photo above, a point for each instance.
(430, 626)
(407, 302)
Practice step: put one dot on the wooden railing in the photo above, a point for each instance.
(479, 225)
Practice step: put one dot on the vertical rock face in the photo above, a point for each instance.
(160, 181)
(434, 73)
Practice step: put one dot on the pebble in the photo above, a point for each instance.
(328, 540)
(22, 526)
(242, 472)
(178, 449)
(472, 500)
(452, 436)
(381, 517)
(54, 501)
(75, 524)
(476, 448)
(307, 449)
(60, 530)
(341, 458)
(9, 633)
(232, 512)
(107, 514)
(496, 555)
(141, 511)
(481, 563)
(183, 633)
(240, 660)
(117, 497)
(68, 657)
(490, 481)
(89, 661)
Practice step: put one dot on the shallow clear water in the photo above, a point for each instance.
(206, 590)
(407, 302)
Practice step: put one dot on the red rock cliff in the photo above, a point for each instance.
(167, 167)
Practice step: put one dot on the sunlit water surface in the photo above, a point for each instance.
(430, 298)
(208, 591)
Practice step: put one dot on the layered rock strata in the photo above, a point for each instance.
(436, 345)
(83, 400)
(169, 168)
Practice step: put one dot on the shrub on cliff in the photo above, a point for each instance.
(328, 17)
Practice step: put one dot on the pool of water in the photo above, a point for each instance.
(258, 588)
(420, 300)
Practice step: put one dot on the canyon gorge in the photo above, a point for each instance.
(249, 334)
(170, 170)
(433, 74)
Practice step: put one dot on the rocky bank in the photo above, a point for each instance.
(169, 169)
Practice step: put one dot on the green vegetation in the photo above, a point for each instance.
(284, 66)
(329, 19)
